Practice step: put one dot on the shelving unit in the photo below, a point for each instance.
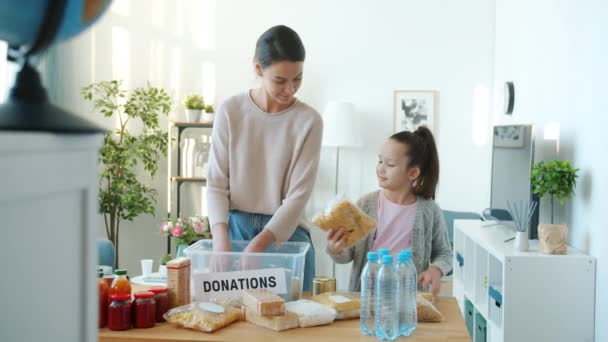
(522, 296)
(178, 180)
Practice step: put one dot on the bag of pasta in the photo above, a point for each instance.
(346, 304)
(343, 214)
(203, 316)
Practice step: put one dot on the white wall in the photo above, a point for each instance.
(359, 51)
(139, 42)
(556, 52)
(362, 51)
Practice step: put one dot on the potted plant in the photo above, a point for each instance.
(122, 193)
(185, 230)
(194, 105)
(208, 116)
(556, 178)
(162, 269)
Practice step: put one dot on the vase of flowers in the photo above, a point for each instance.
(185, 230)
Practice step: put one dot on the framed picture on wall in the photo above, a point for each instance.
(414, 108)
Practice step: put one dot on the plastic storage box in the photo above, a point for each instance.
(481, 328)
(287, 258)
(469, 316)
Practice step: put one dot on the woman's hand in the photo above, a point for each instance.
(261, 242)
(336, 240)
(258, 245)
(432, 276)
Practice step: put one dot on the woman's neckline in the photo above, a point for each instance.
(250, 91)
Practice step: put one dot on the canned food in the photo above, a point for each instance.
(323, 284)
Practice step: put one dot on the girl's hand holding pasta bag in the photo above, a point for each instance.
(345, 223)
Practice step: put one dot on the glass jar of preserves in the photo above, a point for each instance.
(161, 297)
(119, 312)
(103, 299)
(144, 310)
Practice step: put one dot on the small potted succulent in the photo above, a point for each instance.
(194, 105)
(208, 116)
(556, 178)
(162, 269)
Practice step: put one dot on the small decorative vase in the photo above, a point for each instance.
(162, 270)
(521, 241)
(193, 115)
(180, 250)
(553, 238)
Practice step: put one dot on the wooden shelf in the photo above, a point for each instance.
(189, 179)
(191, 124)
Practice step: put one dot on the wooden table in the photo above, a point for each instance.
(452, 329)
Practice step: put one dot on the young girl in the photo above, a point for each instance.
(407, 216)
(265, 154)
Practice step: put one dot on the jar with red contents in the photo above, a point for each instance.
(161, 297)
(119, 312)
(103, 300)
(144, 310)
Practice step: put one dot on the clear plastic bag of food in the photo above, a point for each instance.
(311, 313)
(341, 213)
(263, 302)
(203, 316)
(286, 321)
(427, 312)
(346, 304)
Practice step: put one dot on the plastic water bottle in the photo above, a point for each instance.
(387, 303)
(368, 293)
(382, 252)
(406, 272)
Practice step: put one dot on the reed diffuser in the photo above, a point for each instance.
(522, 214)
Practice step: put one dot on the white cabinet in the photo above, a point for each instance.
(523, 296)
(48, 210)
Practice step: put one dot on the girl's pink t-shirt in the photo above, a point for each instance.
(395, 225)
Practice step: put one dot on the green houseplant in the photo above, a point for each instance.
(123, 195)
(194, 105)
(208, 116)
(556, 178)
(162, 269)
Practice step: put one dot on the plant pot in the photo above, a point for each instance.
(162, 270)
(208, 117)
(553, 238)
(521, 241)
(193, 115)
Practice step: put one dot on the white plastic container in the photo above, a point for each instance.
(287, 258)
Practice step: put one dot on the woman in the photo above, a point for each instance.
(265, 154)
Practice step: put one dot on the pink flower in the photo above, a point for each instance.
(177, 231)
(164, 227)
(198, 227)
